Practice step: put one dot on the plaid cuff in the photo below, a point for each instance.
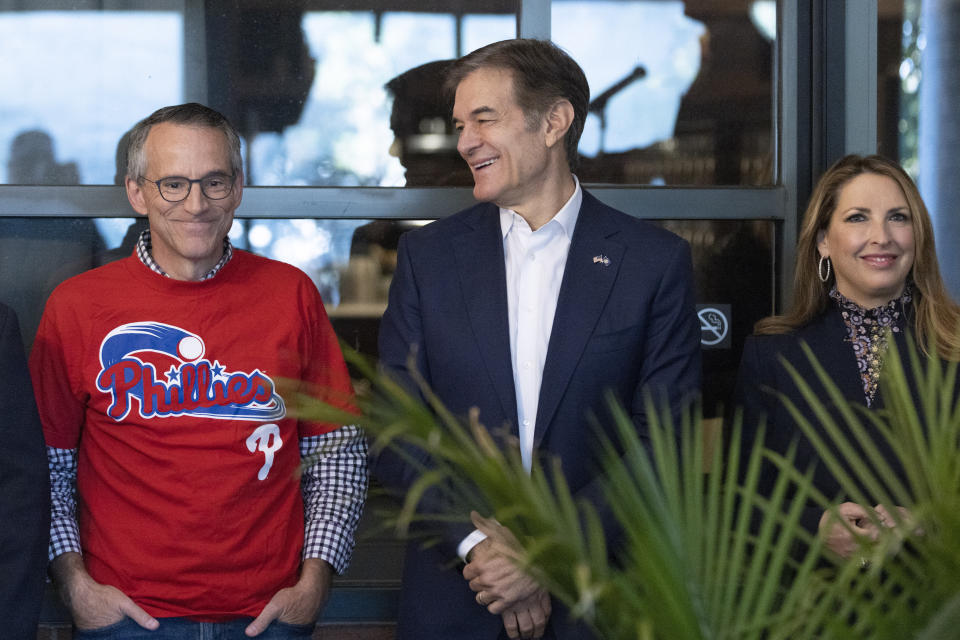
(334, 486)
(64, 533)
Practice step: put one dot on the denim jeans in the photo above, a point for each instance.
(183, 629)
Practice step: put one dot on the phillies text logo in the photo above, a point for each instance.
(191, 386)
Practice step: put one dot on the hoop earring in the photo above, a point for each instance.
(820, 274)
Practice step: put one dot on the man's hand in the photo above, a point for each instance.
(840, 539)
(906, 518)
(301, 603)
(528, 618)
(494, 569)
(94, 605)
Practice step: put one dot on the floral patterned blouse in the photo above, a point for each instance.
(866, 330)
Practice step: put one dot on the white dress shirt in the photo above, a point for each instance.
(535, 261)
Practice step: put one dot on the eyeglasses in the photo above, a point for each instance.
(176, 189)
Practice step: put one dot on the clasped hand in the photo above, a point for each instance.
(843, 539)
(502, 586)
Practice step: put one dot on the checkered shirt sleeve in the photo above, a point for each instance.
(334, 485)
(64, 533)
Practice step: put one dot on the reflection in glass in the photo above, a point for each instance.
(344, 135)
(34, 161)
(37, 254)
(69, 86)
(320, 248)
(305, 88)
(732, 265)
(423, 136)
(612, 41)
(479, 30)
(341, 137)
(682, 91)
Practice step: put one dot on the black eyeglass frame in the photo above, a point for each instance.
(232, 177)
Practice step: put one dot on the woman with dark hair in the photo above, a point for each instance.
(866, 281)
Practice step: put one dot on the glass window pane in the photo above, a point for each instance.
(481, 29)
(357, 131)
(734, 274)
(68, 99)
(306, 88)
(681, 91)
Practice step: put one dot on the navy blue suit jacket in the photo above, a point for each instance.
(622, 325)
(762, 373)
(24, 490)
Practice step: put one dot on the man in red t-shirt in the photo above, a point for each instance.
(164, 388)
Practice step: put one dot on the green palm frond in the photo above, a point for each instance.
(693, 565)
(708, 555)
(913, 581)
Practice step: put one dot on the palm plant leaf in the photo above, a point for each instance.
(693, 564)
(912, 584)
(708, 555)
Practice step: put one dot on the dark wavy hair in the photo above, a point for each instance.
(542, 74)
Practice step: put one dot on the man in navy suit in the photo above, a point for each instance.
(529, 306)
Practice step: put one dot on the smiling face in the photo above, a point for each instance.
(187, 236)
(870, 240)
(512, 164)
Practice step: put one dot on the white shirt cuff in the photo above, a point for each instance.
(468, 543)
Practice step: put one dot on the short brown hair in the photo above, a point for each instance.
(542, 74)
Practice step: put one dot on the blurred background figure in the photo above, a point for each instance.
(424, 139)
(26, 245)
(33, 161)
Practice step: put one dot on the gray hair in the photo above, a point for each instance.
(192, 114)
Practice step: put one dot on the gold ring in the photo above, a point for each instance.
(480, 600)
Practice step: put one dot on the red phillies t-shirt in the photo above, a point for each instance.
(178, 397)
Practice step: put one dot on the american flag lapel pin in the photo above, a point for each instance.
(601, 259)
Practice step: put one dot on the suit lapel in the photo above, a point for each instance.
(583, 295)
(483, 282)
(823, 337)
